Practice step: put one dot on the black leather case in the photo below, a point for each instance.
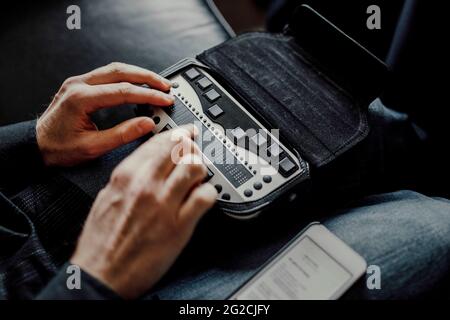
(313, 83)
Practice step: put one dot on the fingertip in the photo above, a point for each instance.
(210, 191)
(166, 100)
(166, 82)
(163, 84)
(170, 100)
(145, 125)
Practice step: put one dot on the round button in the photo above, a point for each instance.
(175, 85)
(157, 119)
(267, 179)
(248, 193)
(218, 188)
(257, 185)
(226, 196)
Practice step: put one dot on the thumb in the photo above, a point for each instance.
(123, 133)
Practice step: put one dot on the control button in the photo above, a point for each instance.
(248, 193)
(257, 185)
(286, 166)
(204, 83)
(175, 85)
(212, 95)
(166, 128)
(258, 141)
(226, 196)
(209, 175)
(238, 134)
(157, 119)
(275, 151)
(218, 188)
(192, 74)
(215, 111)
(267, 179)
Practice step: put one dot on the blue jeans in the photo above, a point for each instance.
(405, 233)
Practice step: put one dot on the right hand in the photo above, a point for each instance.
(145, 216)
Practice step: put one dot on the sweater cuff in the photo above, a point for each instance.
(64, 287)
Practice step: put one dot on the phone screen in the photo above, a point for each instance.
(304, 271)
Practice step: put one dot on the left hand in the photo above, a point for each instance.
(66, 135)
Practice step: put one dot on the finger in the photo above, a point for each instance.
(124, 133)
(197, 204)
(156, 153)
(121, 72)
(111, 95)
(187, 174)
(184, 148)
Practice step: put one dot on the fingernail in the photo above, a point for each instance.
(212, 191)
(167, 82)
(169, 98)
(145, 125)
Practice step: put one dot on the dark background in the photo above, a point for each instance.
(36, 56)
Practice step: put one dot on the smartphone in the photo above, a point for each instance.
(316, 265)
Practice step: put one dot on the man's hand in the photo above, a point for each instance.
(65, 133)
(144, 217)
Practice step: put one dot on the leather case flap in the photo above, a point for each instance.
(286, 87)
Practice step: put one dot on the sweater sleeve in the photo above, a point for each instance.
(90, 288)
(20, 158)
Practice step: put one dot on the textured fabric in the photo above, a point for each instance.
(19, 156)
(43, 223)
(289, 90)
(407, 235)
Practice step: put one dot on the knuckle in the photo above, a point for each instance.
(122, 135)
(74, 93)
(197, 169)
(121, 177)
(148, 193)
(70, 81)
(90, 151)
(202, 200)
(116, 67)
(58, 95)
(125, 89)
